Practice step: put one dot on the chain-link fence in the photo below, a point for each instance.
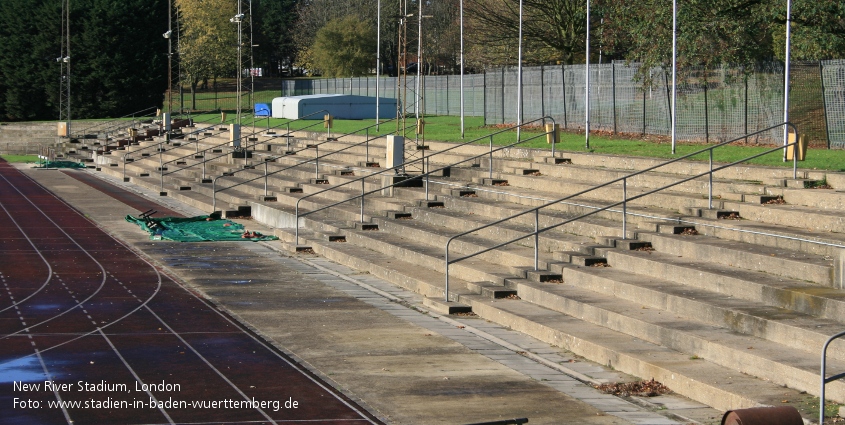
(833, 86)
(441, 93)
(713, 104)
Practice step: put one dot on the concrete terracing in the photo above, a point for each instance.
(728, 306)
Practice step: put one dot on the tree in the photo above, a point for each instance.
(553, 30)
(344, 47)
(274, 21)
(118, 57)
(208, 40)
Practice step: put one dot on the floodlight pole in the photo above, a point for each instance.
(519, 83)
(462, 68)
(587, 84)
(419, 63)
(674, 70)
(169, 56)
(786, 78)
(240, 64)
(378, 61)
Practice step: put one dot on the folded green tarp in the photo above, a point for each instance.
(196, 229)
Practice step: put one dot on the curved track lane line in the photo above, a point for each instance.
(49, 268)
(228, 319)
(79, 304)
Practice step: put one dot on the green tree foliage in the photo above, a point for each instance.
(208, 40)
(118, 57)
(553, 30)
(274, 22)
(344, 47)
(29, 74)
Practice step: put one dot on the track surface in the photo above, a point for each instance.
(82, 311)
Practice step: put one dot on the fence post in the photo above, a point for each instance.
(645, 97)
(706, 111)
(746, 103)
(563, 89)
(485, 96)
(613, 89)
(542, 91)
(503, 95)
(824, 103)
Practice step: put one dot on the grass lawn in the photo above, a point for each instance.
(20, 158)
(447, 129)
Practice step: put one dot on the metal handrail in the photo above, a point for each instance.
(116, 119)
(624, 180)
(206, 160)
(825, 380)
(159, 146)
(366, 142)
(425, 174)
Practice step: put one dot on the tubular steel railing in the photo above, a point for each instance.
(623, 202)
(426, 170)
(316, 160)
(824, 378)
(206, 160)
(160, 145)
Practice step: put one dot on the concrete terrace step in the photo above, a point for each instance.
(713, 384)
(738, 284)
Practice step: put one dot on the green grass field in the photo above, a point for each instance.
(20, 158)
(447, 129)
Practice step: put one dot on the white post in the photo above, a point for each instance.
(519, 82)
(378, 60)
(462, 68)
(674, 69)
(419, 63)
(786, 78)
(587, 84)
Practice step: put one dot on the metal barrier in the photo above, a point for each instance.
(158, 145)
(426, 171)
(623, 202)
(824, 379)
(205, 160)
(366, 142)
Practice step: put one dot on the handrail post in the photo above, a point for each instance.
(427, 174)
(446, 292)
(296, 226)
(161, 167)
(316, 161)
(265, 177)
(491, 157)
(624, 208)
(710, 185)
(362, 200)
(203, 165)
(214, 195)
(824, 379)
(287, 136)
(536, 239)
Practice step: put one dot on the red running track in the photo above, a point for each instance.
(90, 333)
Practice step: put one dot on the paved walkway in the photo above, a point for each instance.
(376, 342)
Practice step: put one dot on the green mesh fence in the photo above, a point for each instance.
(196, 229)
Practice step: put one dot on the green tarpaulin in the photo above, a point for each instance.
(196, 229)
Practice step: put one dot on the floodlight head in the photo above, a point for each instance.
(59, 59)
(237, 18)
(167, 34)
(66, 59)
